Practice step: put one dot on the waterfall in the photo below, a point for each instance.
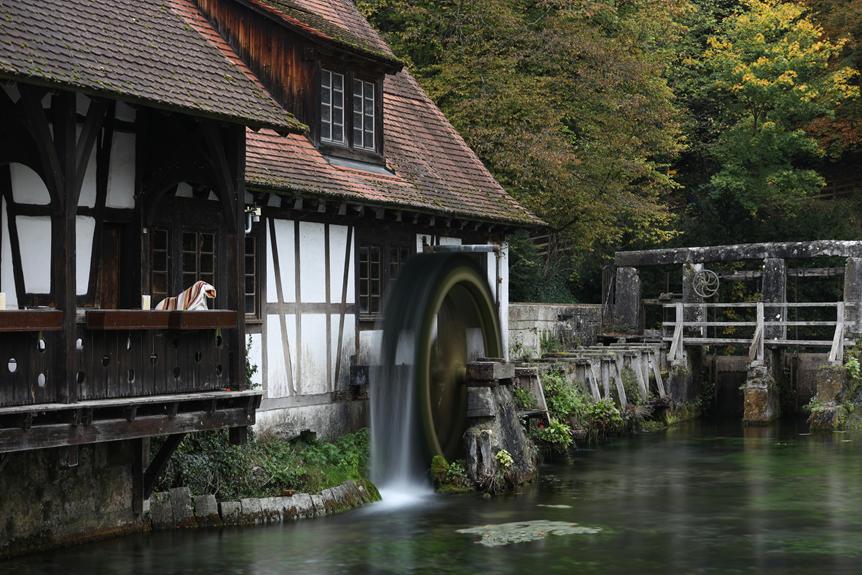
(398, 451)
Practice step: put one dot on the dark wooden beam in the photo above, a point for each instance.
(99, 431)
(160, 461)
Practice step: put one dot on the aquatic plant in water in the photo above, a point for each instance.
(525, 531)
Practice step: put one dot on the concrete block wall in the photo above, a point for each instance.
(573, 324)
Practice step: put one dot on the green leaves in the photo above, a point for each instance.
(771, 63)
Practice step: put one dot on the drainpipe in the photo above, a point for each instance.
(252, 216)
(498, 284)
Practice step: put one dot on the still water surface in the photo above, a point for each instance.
(694, 500)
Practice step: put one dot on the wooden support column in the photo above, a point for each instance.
(237, 161)
(160, 461)
(774, 291)
(63, 277)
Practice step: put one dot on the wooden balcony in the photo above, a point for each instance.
(119, 354)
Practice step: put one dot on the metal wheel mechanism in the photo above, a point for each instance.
(439, 317)
(705, 283)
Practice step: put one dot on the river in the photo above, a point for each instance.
(697, 499)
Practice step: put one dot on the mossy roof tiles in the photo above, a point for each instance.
(155, 52)
(434, 168)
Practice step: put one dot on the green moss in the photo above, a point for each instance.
(266, 466)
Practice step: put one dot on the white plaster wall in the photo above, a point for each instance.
(337, 246)
(28, 187)
(121, 177)
(277, 382)
(312, 258)
(7, 279)
(255, 357)
(34, 237)
(348, 348)
(313, 354)
(184, 190)
(85, 226)
(284, 240)
(88, 185)
(312, 278)
(369, 346)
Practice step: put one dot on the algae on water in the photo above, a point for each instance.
(525, 531)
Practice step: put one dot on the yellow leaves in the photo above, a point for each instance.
(788, 78)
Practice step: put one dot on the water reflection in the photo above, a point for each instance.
(693, 500)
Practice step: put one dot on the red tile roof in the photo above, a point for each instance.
(435, 170)
(157, 52)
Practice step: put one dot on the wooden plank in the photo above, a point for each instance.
(128, 401)
(659, 380)
(594, 378)
(62, 434)
(297, 252)
(30, 320)
(126, 319)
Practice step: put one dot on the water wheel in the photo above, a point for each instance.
(439, 316)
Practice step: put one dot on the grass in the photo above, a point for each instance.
(267, 466)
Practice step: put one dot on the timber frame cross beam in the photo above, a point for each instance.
(731, 253)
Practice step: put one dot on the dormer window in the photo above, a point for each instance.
(363, 114)
(351, 114)
(331, 107)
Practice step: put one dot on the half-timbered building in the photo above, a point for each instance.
(275, 149)
(379, 176)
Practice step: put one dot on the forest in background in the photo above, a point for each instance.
(631, 124)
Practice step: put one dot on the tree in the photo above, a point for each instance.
(771, 62)
(567, 104)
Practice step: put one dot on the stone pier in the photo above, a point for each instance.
(760, 395)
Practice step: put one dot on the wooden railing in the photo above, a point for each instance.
(119, 354)
(682, 330)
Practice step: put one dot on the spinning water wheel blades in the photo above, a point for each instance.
(439, 317)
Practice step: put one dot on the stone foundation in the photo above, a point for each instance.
(494, 427)
(44, 504)
(760, 396)
(177, 508)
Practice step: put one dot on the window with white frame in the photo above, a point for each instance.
(331, 107)
(363, 114)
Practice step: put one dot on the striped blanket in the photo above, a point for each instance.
(194, 298)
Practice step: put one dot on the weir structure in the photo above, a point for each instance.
(700, 329)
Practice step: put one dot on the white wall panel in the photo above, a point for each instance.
(369, 346)
(34, 237)
(348, 348)
(312, 257)
(27, 186)
(88, 186)
(287, 260)
(7, 279)
(277, 382)
(121, 178)
(255, 356)
(85, 226)
(337, 241)
(314, 354)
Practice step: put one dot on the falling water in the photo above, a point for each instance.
(397, 447)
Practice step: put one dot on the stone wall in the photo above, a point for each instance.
(571, 324)
(44, 504)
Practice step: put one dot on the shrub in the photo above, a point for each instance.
(523, 398)
(266, 466)
(603, 419)
(557, 436)
(564, 399)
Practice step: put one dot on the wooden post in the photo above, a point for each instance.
(836, 353)
(756, 352)
(237, 162)
(676, 344)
